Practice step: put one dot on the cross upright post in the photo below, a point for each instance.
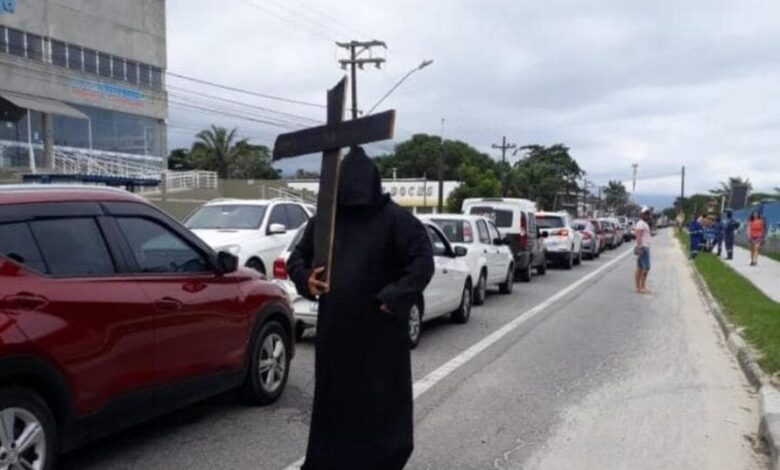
(330, 139)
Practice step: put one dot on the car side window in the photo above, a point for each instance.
(158, 250)
(484, 235)
(531, 226)
(279, 216)
(72, 247)
(17, 243)
(296, 216)
(494, 233)
(438, 245)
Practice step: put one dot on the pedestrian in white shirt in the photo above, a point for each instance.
(642, 251)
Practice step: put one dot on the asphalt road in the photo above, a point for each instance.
(597, 378)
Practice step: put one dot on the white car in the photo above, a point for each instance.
(563, 244)
(448, 293)
(489, 258)
(255, 231)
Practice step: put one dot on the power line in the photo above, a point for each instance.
(288, 20)
(244, 91)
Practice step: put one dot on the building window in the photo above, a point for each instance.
(3, 40)
(34, 47)
(118, 68)
(75, 59)
(143, 74)
(156, 78)
(15, 42)
(104, 65)
(132, 72)
(58, 56)
(90, 61)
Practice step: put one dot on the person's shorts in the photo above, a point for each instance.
(643, 260)
(757, 241)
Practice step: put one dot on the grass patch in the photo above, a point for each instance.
(744, 304)
(774, 256)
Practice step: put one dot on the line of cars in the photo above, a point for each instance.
(111, 312)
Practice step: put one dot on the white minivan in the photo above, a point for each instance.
(488, 257)
(516, 219)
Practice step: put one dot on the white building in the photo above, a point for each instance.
(418, 194)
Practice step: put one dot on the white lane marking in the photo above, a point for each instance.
(430, 380)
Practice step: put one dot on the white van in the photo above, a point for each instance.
(516, 219)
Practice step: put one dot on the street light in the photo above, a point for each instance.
(424, 64)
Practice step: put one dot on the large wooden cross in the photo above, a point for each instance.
(330, 139)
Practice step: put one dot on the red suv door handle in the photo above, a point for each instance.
(168, 304)
(25, 301)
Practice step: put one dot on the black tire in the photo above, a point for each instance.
(541, 270)
(508, 285)
(416, 313)
(480, 290)
(524, 274)
(578, 260)
(300, 329)
(257, 265)
(569, 261)
(256, 388)
(29, 407)
(463, 313)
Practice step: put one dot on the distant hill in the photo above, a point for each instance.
(657, 201)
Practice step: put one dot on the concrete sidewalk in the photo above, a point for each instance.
(765, 276)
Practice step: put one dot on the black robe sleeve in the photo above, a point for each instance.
(299, 265)
(413, 247)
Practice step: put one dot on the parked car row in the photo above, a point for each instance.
(106, 302)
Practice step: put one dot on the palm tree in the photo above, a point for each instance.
(219, 146)
(726, 187)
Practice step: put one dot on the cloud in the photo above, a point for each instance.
(660, 83)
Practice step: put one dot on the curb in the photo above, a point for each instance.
(769, 396)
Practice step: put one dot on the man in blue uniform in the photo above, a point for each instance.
(730, 226)
(696, 232)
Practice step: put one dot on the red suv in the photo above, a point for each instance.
(111, 312)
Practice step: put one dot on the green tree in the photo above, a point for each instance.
(302, 174)
(474, 183)
(546, 175)
(419, 156)
(215, 149)
(726, 187)
(616, 198)
(252, 162)
(179, 159)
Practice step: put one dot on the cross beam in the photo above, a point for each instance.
(330, 139)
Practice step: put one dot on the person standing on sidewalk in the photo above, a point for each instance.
(756, 234)
(730, 226)
(642, 250)
(695, 232)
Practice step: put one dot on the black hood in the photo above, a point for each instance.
(359, 182)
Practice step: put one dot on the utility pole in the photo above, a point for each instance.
(504, 147)
(441, 170)
(356, 48)
(633, 184)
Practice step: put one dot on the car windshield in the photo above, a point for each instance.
(501, 217)
(453, 229)
(227, 216)
(549, 221)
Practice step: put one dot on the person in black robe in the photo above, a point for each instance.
(382, 260)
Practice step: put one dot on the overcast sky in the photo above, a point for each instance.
(661, 83)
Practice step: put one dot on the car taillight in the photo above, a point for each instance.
(468, 233)
(522, 239)
(280, 269)
(586, 235)
(563, 233)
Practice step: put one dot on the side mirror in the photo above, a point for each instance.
(226, 263)
(460, 251)
(498, 242)
(277, 229)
